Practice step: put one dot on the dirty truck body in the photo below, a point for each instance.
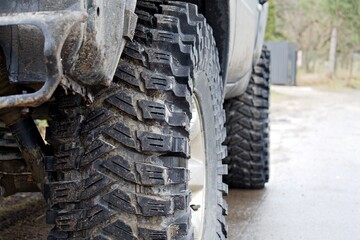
(133, 93)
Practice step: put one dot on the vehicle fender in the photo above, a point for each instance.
(247, 29)
(261, 32)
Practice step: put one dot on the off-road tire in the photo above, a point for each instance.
(247, 130)
(12, 165)
(9, 149)
(120, 164)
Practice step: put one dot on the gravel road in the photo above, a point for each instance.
(314, 188)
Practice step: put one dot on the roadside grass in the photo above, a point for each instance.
(323, 82)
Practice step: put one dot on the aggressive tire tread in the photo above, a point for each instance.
(120, 165)
(248, 131)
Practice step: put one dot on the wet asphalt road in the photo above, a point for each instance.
(314, 191)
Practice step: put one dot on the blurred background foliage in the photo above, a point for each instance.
(327, 32)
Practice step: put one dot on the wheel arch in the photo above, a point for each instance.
(220, 23)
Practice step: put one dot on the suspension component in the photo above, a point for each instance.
(55, 27)
(21, 145)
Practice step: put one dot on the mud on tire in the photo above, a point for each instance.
(120, 165)
(247, 129)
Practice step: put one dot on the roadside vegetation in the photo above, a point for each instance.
(323, 81)
(327, 34)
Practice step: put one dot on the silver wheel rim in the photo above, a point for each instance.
(197, 167)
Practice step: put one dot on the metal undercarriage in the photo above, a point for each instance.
(44, 45)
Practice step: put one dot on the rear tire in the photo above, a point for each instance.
(247, 129)
(15, 172)
(120, 169)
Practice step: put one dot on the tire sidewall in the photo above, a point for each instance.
(203, 94)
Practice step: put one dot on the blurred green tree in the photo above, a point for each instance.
(272, 34)
(345, 16)
(327, 31)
